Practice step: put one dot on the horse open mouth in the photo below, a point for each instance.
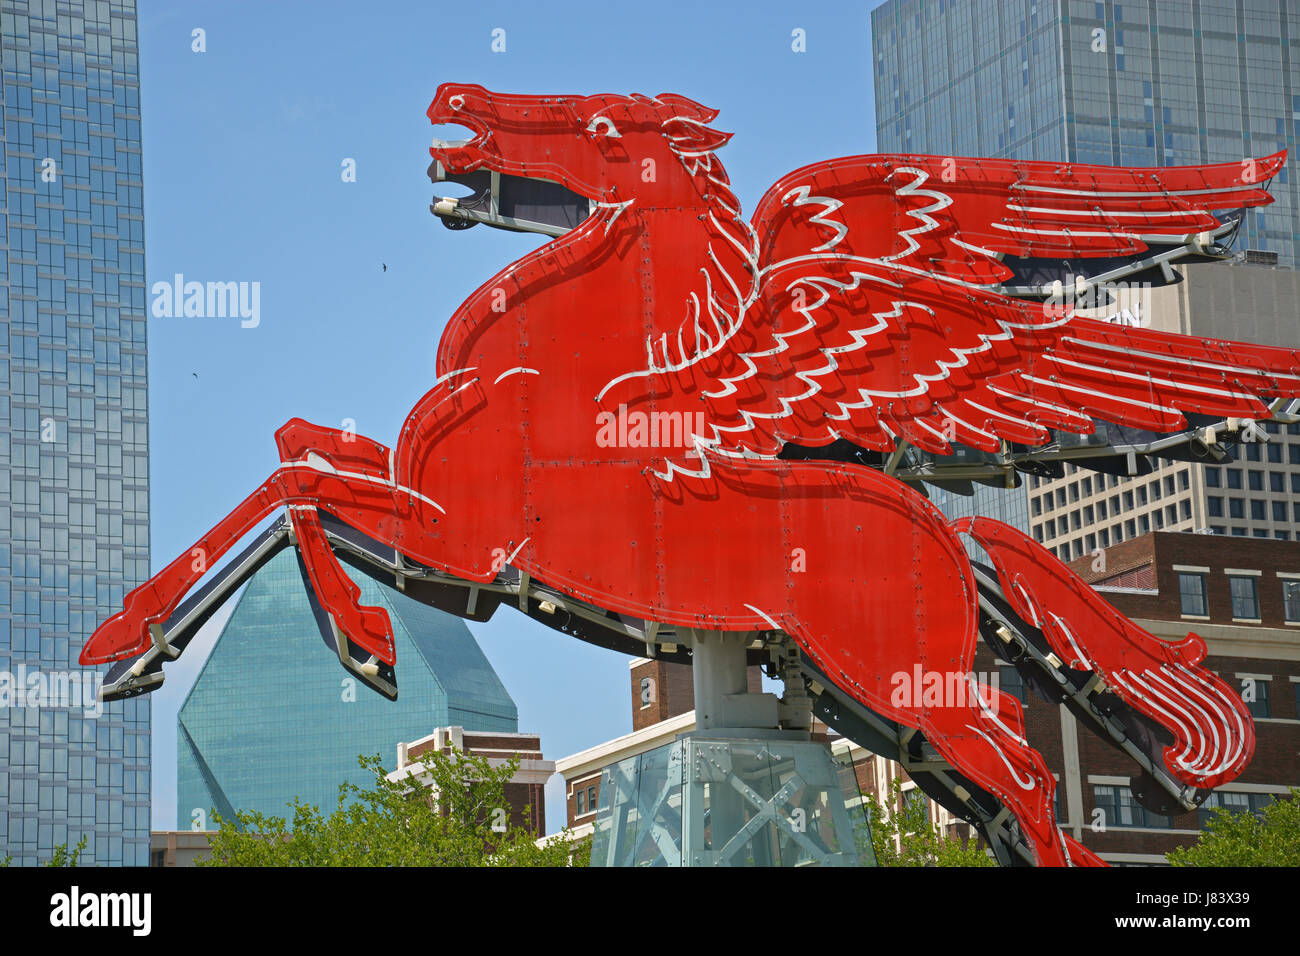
(503, 200)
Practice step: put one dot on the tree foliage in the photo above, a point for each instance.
(463, 820)
(62, 856)
(907, 837)
(1243, 839)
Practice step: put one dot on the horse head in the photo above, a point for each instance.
(608, 148)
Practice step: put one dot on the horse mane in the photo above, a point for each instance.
(728, 279)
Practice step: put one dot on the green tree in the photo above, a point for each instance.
(464, 820)
(919, 842)
(62, 857)
(1243, 839)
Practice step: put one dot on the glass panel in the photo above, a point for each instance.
(1191, 591)
(1291, 601)
(1245, 600)
(725, 802)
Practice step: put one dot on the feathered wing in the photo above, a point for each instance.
(886, 307)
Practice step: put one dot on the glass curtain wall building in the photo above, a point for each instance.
(74, 532)
(1141, 83)
(273, 717)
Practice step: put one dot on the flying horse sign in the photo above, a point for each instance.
(878, 301)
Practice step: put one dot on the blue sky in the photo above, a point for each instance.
(243, 149)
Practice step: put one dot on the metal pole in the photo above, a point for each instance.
(718, 670)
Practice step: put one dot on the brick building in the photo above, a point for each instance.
(1242, 595)
(525, 793)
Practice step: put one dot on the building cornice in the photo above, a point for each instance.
(1226, 640)
(629, 745)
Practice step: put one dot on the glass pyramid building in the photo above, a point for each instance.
(272, 715)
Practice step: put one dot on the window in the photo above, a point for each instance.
(1276, 481)
(1245, 597)
(1236, 508)
(1119, 809)
(1279, 511)
(1275, 453)
(1233, 803)
(1291, 603)
(1252, 452)
(581, 800)
(1212, 479)
(591, 799)
(1256, 481)
(1254, 693)
(1257, 511)
(916, 796)
(1191, 592)
(1234, 477)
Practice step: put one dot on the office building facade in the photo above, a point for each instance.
(272, 717)
(1148, 83)
(74, 476)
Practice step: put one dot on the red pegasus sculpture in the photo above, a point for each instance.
(610, 410)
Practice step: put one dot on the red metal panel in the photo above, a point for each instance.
(609, 409)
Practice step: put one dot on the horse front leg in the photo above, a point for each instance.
(369, 463)
(319, 467)
(127, 633)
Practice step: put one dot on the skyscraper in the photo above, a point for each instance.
(272, 716)
(74, 492)
(1149, 83)
(1146, 83)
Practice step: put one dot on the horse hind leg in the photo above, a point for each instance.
(1214, 734)
(981, 733)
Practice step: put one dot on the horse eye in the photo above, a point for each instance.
(605, 125)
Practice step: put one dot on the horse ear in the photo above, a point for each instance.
(685, 106)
